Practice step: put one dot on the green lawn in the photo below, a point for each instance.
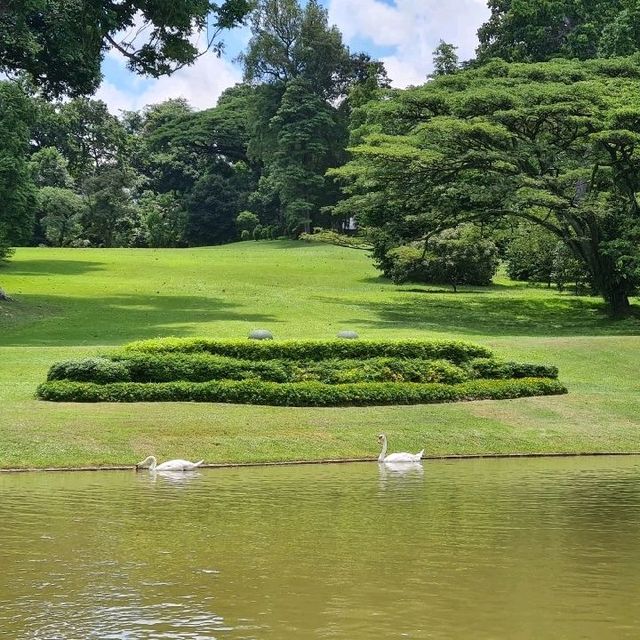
(71, 302)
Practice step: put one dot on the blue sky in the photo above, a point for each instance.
(402, 33)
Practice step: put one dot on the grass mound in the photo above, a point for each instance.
(297, 373)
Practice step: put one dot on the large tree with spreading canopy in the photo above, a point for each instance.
(556, 144)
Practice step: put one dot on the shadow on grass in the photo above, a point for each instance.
(37, 320)
(52, 267)
(497, 315)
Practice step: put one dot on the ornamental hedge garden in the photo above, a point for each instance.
(297, 373)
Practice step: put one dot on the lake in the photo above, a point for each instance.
(509, 549)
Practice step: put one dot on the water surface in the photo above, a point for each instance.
(490, 549)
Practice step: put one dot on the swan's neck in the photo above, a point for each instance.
(383, 453)
(153, 464)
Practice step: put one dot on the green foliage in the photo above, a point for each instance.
(553, 143)
(247, 221)
(445, 59)
(61, 43)
(307, 81)
(245, 235)
(454, 351)
(496, 369)
(199, 367)
(300, 394)
(49, 168)
(530, 255)
(88, 136)
(60, 212)
(327, 236)
(98, 370)
(17, 194)
(304, 373)
(111, 215)
(530, 30)
(164, 219)
(454, 256)
(536, 255)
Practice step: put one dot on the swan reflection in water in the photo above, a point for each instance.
(171, 477)
(400, 474)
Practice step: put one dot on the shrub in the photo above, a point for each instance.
(297, 394)
(99, 370)
(246, 221)
(530, 255)
(245, 235)
(452, 350)
(454, 256)
(490, 368)
(201, 367)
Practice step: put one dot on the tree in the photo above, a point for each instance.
(110, 216)
(246, 221)
(556, 144)
(531, 254)
(531, 30)
(212, 206)
(454, 256)
(303, 75)
(164, 219)
(60, 212)
(49, 168)
(305, 131)
(61, 43)
(445, 59)
(289, 41)
(17, 193)
(89, 137)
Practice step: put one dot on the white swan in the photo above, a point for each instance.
(396, 457)
(170, 465)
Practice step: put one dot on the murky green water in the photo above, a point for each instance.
(493, 549)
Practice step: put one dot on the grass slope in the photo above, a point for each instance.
(68, 301)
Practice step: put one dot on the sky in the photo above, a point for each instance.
(401, 33)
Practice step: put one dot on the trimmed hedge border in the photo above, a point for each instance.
(204, 367)
(453, 350)
(302, 394)
(488, 368)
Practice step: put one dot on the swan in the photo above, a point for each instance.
(170, 465)
(396, 457)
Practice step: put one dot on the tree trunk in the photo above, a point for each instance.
(610, 284)
(618, 302)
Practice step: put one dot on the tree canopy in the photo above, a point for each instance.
(557, 144)
(534, 30)
(60, 44)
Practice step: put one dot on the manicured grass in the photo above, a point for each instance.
(69, 303)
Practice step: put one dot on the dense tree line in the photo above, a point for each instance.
(516, 154)
(170, 176)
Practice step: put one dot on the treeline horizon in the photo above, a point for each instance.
(528, 150)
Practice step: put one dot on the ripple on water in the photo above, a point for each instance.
(513, 549)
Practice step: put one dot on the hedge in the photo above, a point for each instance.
(90, 370)
(454, 351)
(303, 394)
(494, 369)
(201, 367)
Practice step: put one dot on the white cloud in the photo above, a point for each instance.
(201, 84)
(407, 30)
(412, 28)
